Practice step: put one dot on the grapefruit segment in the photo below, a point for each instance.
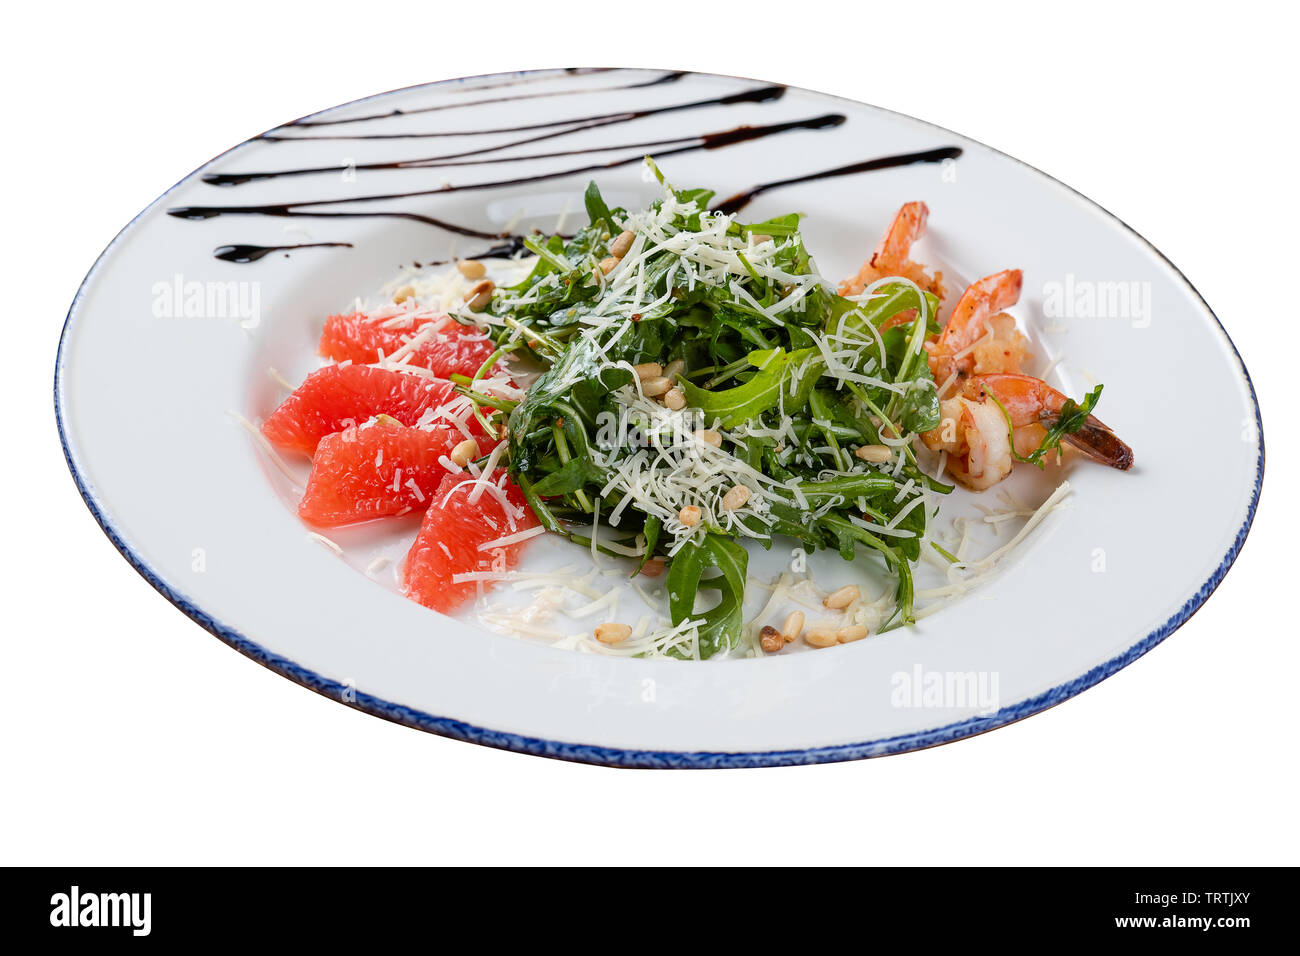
(449, 540)
(336, 396)
(445, 349)
(376, 470)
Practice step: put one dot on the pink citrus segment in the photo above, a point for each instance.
(445, 349)
(376, 470)
(450, 538)
(336, 396)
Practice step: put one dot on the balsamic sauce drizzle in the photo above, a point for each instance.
(761, 94)
(506, 244)
(510, 247)
(287, 211)
(657, 81)
(443, 161)
(246, 253)
(529, 76)
(741, 200)
(701, 141)
(739, 134)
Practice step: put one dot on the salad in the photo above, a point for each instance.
(670, 387)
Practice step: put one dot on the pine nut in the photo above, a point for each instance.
(690, 516)
(404, 293)
(464, 453)
(842, 598)
(760, 237)
(654, 387)
(607, 264)
(854, 632)
(675, 368)
(793, 626)
(648, 370)
(874, 453)
(654, 567)
(709, 437)
(675, 399)
(621, 244)
(821, 637)
(480, 295)
(771, 640)
(735, 498)
(471, 268)
(612, 632)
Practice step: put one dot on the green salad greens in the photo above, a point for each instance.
(702, 384)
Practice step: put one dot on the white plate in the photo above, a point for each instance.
(144, 403)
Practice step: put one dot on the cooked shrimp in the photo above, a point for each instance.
(891, 257)
(980, 338)
(974, 434)
(981, 349)
(1030, 402)
(973, 429)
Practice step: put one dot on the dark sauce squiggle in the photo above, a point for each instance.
(529, 76)
(505, 244)
(511, 247)
(290, 211)
(710, 141)
(680, 144)
(741, 200)
(246, 253)
(464, 158)
(657, 81)
(525, 79)
(571, 126)
(761, 94)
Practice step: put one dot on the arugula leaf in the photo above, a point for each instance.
(888, 302)
(734, 406)
(919, 411)
(722, 626)
(568, 478)
(848, 533)
(848, 487)
(653, 525)
(777, 228)
(597, 211)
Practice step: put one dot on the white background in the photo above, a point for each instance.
(132, 736)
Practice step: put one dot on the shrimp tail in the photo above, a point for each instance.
(908, 226)
(893, 255)
(1027, 400)
(981, 299)
(1100, 444)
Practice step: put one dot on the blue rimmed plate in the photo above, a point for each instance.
(170, 339)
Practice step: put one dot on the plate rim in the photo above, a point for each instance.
(658, 759)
